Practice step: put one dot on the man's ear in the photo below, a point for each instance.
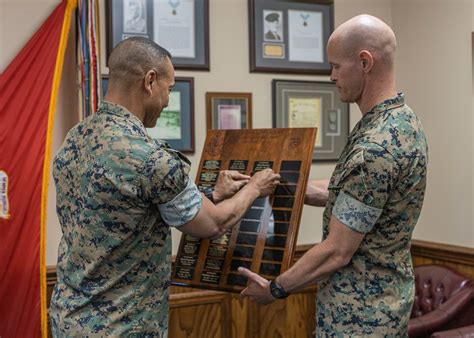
(366, 59)
(150, 78)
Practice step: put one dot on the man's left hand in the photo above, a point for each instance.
(258, 288)
(228, 183)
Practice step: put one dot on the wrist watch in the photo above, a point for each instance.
(208, 193)
(277, 290)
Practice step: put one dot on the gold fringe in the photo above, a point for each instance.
(71, 5)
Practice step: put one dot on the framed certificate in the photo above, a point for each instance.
(180, 26)
(290, 36)
(229, 110)
(302, 104)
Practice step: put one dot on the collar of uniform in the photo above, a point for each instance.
(384, 106)
(118, 110)
(388, 104)
(391, 103)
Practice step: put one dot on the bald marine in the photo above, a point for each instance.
(361, 52)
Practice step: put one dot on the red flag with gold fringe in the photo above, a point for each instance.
(29, 88)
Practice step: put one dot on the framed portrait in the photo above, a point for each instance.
(300, 104)
(229, 110)
(176, 122)
(290, 36)
(180, 26)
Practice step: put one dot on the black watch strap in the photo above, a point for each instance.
(208, 193)
(277, 290)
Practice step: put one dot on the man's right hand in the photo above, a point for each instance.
(265, 181)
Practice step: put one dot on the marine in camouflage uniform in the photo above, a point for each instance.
(376, 189)
(118, 193)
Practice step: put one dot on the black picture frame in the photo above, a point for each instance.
(117, 30)
(290, 36)
(183, 117)
(313, 104)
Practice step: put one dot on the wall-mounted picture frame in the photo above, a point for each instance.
(180, 26)
(290, 36)
(176, 122)
(229, 110)
(301, 104)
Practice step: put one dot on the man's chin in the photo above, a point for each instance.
(151, 124)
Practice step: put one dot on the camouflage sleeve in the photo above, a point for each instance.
(365, 183)
(170, 188)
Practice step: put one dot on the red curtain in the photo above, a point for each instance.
(28, 90)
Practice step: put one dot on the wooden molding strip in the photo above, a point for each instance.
(439, 251)
(444, 252)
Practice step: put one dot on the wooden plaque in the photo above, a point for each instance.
(265, 239)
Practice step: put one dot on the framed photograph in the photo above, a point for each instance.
(180, 26)
(298, 104)
(290, 36)
(176, 122)
(229, 110)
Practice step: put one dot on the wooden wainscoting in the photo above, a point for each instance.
(456, 257)
(207, 314)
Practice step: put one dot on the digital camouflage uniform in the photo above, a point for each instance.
(118, 193)
(377, 189)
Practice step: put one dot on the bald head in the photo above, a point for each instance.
(366, 32)
(133, 57)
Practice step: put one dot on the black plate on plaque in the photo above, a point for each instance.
(261, 165)
(289, 177)
(285, 190)
(249, 226)
(239, 165)
(184, 273)
(282, 215)
(272, 255)
(217, 251)
(211, 277)
(249, 239)
(211, 165)
(290, 166)
(234, 279)
(243, 251)
(270, 269)
(283, 202)
(278, 241)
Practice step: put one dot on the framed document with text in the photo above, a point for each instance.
(298, 104)
(180, 26)
(229, 110)
(290, 36)
(265, 239)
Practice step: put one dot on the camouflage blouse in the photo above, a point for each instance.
(118, 193)
(377, 189)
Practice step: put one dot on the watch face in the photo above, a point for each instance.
(278, 293)
(276, 290)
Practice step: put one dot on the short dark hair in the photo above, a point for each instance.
(133, 57)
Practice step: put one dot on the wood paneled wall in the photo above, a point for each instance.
(208, 314)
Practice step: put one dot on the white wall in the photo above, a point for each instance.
(434, 67)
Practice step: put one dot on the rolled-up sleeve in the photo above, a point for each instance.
(355, 214)
(183, 208)
(365, 185)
